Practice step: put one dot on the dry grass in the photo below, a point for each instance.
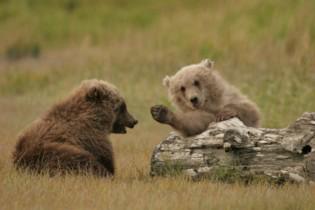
(264, 47)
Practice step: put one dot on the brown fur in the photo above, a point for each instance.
(73, 136)
(202, 96)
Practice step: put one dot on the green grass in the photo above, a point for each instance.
(266, 48)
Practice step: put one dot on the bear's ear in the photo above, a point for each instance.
(166, 81)
(94, 94)
(207, 63)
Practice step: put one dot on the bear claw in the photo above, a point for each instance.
(225, 115)
(160, 113)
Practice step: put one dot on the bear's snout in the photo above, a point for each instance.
(194, 100)
(132, 123)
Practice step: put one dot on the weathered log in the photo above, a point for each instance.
(230, 150)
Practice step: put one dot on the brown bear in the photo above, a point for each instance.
(73, 136)
(202, 96)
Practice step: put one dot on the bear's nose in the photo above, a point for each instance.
(133, 123)
(194, 100)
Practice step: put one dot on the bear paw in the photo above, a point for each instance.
(225, 115)
(161, 113)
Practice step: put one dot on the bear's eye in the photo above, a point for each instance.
(182, 88)
(121, 108)
(196, 83)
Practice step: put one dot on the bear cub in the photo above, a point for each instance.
(202, 96)
(73, 136)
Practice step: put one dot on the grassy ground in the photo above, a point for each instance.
(266, 48)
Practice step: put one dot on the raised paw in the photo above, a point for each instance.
(160, 113)
(225, 115)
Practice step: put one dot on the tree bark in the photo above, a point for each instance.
(230, 151)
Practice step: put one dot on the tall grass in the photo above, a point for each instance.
(266, 48)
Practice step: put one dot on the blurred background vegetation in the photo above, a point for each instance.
(266, 48)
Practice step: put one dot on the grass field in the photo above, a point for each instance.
(266, 48)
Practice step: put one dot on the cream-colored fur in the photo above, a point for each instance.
(202, 96)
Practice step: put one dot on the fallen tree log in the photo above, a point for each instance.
(230, 151)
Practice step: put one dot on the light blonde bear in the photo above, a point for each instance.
(202, 96)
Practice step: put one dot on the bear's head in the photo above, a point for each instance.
(194, 86)
(102, 104)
